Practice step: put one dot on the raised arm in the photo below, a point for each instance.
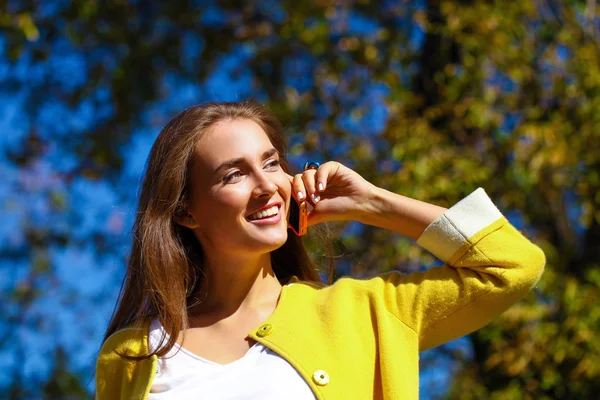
(489, 264)
(398, 213)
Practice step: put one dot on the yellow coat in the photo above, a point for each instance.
(360, 339)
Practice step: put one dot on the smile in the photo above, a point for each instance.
(264, 214)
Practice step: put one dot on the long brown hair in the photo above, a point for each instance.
(165, 264)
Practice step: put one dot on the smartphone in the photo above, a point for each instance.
(298, 217)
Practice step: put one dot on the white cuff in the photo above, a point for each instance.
(444, 236)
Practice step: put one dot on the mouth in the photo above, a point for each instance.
(270, 214)
(264, 213)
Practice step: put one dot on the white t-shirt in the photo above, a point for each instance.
(259, 374)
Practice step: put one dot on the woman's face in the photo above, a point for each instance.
(236, 173)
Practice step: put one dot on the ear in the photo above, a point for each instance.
(186, 220)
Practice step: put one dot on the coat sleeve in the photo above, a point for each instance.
(488, 266)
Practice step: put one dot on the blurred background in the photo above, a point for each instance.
(430, 99)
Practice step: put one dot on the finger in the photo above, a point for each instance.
(298, 189)
(323, 173)
(308, 177)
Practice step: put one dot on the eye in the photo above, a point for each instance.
(273, 164)
(232, 176)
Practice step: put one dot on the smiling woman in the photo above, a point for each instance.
(221, 300)
(236, 173)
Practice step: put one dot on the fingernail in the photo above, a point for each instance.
(320, 187)
(300, 196)
(315, 198)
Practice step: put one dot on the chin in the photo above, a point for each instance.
(276, 243)
(268, 244)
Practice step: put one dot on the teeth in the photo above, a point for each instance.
(264, 213)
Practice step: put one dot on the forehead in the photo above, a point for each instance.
(240, 138)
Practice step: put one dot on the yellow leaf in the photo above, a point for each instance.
(25, 22)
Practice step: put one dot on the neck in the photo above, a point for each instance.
(235, 285)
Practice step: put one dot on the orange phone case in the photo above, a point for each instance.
(302, 220)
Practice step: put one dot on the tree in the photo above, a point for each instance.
(429, 100)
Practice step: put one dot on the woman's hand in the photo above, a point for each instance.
(335, 192)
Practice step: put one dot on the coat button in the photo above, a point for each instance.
(321, 377)
(264, 330)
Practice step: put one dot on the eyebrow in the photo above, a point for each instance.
(237, 161)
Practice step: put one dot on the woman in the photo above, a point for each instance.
(220, 300)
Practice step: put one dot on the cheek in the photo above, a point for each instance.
(215, 207)
(285, 188)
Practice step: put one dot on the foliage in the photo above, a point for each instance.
(428, 100)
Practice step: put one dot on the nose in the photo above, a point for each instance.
(264, 186)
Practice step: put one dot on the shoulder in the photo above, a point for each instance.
(131, 341)
(344, 288)
(118, 376)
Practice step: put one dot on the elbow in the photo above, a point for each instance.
(536, 265)
(529, 269)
